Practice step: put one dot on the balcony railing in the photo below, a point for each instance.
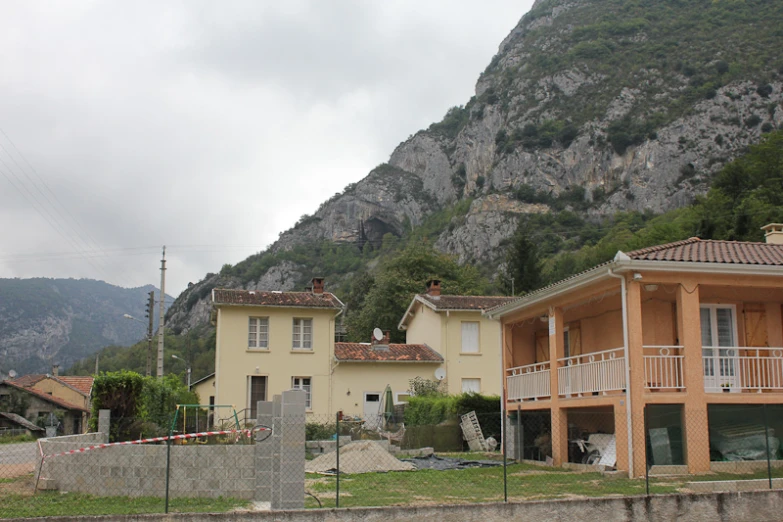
(597, 372)
(528, 382)
(663, 368)
(737, 368)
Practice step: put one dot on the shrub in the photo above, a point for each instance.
(767, 127)
(429, 410)
(752, 121)
(318, 431)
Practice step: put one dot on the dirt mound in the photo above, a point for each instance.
(358, 457)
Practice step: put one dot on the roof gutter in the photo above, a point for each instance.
(628, 415)
(385, 361)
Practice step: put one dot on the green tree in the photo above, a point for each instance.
(523, 264)
(119, 392)
(402, 277)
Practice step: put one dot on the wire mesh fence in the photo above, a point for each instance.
(214, 464)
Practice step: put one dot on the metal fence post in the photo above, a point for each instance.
(647, 454)
(520, 439)
(337, 441)
(505, 458)
(766, 440)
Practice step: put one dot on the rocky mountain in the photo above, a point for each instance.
(592, 106)
(59, 321)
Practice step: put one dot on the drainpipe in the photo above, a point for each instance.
(628, 416)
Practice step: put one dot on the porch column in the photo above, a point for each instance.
(697, 436)
(559, 417)
(636, 388)
(774, 325)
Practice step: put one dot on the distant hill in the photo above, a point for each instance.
(59, 321)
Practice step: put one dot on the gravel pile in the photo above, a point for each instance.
(358, 457)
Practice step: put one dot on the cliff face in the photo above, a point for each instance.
(59, 321)
(636, 103)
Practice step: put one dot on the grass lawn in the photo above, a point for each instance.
(17, 500)
(525, 482)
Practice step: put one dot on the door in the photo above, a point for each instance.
(256, 391)
(372, 410)
(719, 347)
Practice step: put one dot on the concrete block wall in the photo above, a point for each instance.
(140, 470)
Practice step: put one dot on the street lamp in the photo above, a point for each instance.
(187, 363)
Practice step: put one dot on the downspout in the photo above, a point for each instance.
(628, 415)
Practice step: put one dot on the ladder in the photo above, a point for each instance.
(471, 429)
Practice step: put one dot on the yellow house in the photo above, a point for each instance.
(677, 346)
(363, 372)
(71, 390)
(468, 341)
(268, 342)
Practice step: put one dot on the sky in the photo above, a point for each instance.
(209, 127)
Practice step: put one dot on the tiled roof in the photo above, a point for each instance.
(360, 352)
(290, 299)
(29, 380)
(46, 397)
(465, 302)
(83, 384)
(695, 250)
(13, 417)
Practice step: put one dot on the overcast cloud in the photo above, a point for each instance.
(209, 127)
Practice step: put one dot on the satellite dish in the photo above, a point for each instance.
(440, 374)
(377, 334)
(12, 373)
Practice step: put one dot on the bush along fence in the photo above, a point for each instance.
(291, 459)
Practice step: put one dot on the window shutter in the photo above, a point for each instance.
(470, 337)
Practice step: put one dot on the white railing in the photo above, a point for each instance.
(663, 368)
(597, 372)
(528, 382)
(738, 368)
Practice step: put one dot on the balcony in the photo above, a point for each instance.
(736, 369)
(591, 373)
(663, 368)
(528, 382)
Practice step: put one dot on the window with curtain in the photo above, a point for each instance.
(258, 333)
(471, 385)
(470, 337)
(303, 334)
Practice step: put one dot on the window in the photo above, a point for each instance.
(471, 385)
(258, 333)
(303, 383)
(303, 334)
(470, 337)
(256, 391)
(719, 341)
(566, 343)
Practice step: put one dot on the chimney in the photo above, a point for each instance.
(433, 287)
(318, 285)
(383, 344)
(773, 233)
(55, 370)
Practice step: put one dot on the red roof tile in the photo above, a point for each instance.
(287, 299)
(465, 302)
(29, 380)
(361, 352)
(695, 250)
(46, 397)
(83, 384)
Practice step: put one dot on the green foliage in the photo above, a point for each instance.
(429, 409)
(403, 276)
(16, 439)
(160, 398)
(522, 264)
(455, 120)
(319, 431)
(532, 136)
(16, 402)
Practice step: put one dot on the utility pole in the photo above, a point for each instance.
(150, 316)
(162, 312)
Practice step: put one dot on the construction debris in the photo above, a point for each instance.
(358, 457)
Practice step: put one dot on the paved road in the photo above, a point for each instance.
(23, 453)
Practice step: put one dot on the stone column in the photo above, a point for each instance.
(291, 451)
(263, 453)
(104, 423)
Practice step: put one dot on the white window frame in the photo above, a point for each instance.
(478, 381)
(256, 338)
(721, 366)
(297, 383)
(478, 337)
(302, 339)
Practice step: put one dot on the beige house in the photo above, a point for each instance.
(681, 342)
(268, 342)
(469, 342)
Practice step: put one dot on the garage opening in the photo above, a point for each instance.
(591, 438)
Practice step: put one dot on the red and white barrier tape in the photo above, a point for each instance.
(247, 432)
